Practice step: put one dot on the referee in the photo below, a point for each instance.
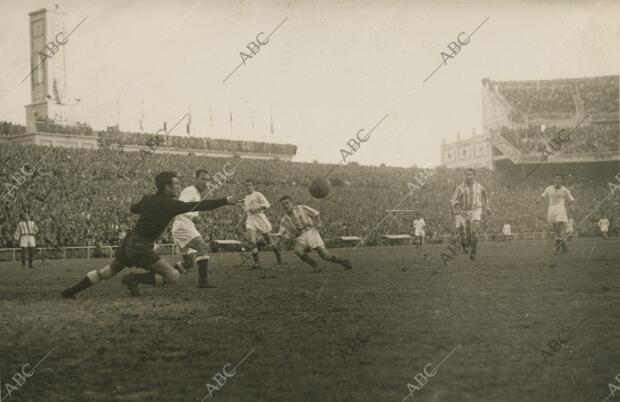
(25, 232)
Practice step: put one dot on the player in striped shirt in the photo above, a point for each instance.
(468, 201)
(298, 223)
(556, 214)
(25, 233)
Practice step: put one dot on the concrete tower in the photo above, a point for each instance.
(48, 80)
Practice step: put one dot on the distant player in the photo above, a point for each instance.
(298, 223)
(419, 225)
(603, 225)
(556, 215)
(257, 223)
(468, 201)
(137, 248)
(25, 234)
(507, 231)
(185, 235)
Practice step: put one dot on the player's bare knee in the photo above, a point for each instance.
(106, 272)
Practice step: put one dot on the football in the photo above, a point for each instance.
(319, 187)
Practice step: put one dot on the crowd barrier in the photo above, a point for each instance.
(14, 254)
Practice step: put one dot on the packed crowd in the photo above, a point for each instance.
(539, 96)
(595, 138)
(108, 138)
(117, 139)
(598, 94)
(82, 197)
(48, 125)
(8, 129)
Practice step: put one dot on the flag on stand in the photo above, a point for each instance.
(271, 122)
(141, 115)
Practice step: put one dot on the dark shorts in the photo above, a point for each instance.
(136, 251)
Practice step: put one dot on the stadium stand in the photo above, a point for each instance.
(529, 114)
(539, 96)
(596, 138)
(595, 94)
(9, 129)
(112, 137)
(81, 197)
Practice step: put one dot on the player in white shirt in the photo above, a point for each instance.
(25, 232)
(257, 223)
(556, 215)
(603, 224)
(507, 231)
(419, 225)
(185, 235)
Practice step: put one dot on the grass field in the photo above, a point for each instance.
(358, 335)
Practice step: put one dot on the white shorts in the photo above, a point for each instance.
(604, 230)
(468, 216)
(419, 232)
(258, 222)
(183, 234)
(310, 239)
(27, 241)
(557, 214)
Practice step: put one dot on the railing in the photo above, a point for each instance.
(48, 253)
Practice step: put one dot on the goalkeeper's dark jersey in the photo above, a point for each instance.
(157, 210)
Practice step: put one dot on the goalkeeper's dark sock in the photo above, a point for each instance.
(147, 278)
(308, 260)
(337, 260)
(85, 283)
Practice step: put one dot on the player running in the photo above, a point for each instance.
(468, 201)
(419, 225)
(137, 248)
(298, 223)
(185, 235)
(257, 223)
(556, 215)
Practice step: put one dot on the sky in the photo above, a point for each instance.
(331, 69)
